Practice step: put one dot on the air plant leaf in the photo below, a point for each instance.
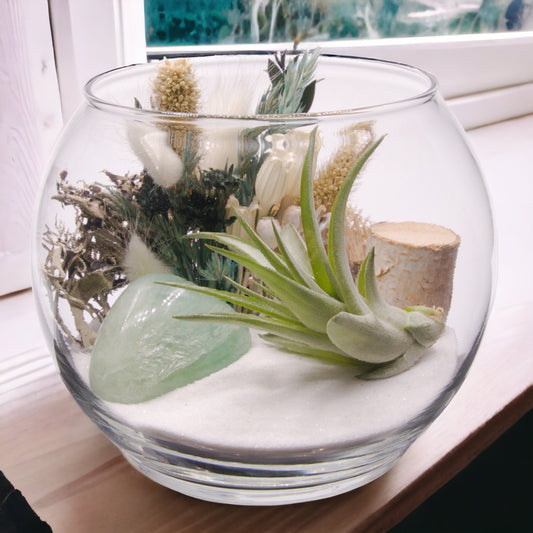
(399, 365)
(293, 250)
(322, 355)
(310, 304)
(252, 301)
(336, 239)
(318, 257)
(424, 328)
(240, 245)
(262, 246)
(367, 338)
(300, 300)
(282, 328)
(367, 285)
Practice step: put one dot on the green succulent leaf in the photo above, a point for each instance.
(367, 338)
(311, 351)
(300, 300)
(399, 365)
(337, 242)
(318, 257)
(282, 328)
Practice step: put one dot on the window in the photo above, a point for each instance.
(205, 22)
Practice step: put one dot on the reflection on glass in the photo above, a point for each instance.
(177, 22)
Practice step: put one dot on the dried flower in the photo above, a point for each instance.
(291, 148)
(229, 96)
(248, 213)
(279, 176)
(356, 140)
(266, 228)
(356, 228)
(229, 93)
(175, 87)
(292, 215)
(271, 184)
(152, 147)
(140, 260)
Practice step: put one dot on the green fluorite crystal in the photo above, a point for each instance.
(141, 352)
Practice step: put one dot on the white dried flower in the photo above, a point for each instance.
(291, 148)
(140, 260)
(152, 146)
(265, 229)
(270, 184)
(220, 147)
(249, 213)
(292, 215)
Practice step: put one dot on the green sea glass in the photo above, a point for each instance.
(141, 352)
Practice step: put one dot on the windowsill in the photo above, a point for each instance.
(70, 473)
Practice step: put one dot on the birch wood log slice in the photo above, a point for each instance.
(415, 263)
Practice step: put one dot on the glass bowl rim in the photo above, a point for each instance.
(417, 98)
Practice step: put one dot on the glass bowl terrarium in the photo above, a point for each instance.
(263, 275)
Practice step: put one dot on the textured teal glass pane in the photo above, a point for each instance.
(186, 22)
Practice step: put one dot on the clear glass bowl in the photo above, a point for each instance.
(164, 149)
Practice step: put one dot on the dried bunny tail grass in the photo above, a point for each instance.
(356, 139)
(175, 87)
(139, 260)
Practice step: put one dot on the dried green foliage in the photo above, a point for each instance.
(292, 84)
(83, 266)
(163, 215)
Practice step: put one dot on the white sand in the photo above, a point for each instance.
(269, 399)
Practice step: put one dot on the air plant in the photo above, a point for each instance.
(309, 302)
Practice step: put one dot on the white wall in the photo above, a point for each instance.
(30, 119)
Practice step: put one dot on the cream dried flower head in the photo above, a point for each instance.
(356, 140)
(175, 87)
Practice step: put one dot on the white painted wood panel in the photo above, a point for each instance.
(91, 37)
(30, 119)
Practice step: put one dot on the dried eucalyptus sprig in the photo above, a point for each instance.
(316, 308)
(292, 88)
